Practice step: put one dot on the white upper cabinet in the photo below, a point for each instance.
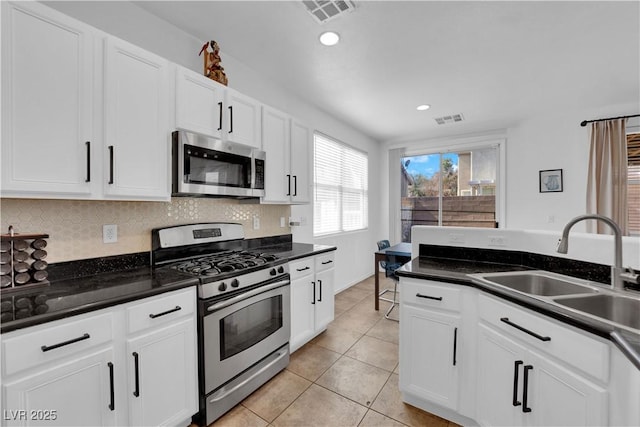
(209, 108)
(243, 119)
(287, 143)
(47, 103)
(137, 130)
(199, 103)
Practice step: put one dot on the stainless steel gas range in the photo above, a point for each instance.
(243, 310)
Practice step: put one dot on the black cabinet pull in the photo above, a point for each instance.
(326, 262)
(455, 345)
(173, 310)
(112, 392)
(295, 185)
(62, 344)
(429, 297)
(136, 392)
(220, 115)
(302, 269)
(533, 334)
(320, 285)
(88, 144)
(525, 391)
(313, 301)
(110, 164)
(288, 185)
(230, 118)
(516, 369)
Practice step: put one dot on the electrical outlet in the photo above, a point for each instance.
(256, 222)
(282, 222)
(109, 233)
(497, 241)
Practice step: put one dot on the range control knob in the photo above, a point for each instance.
(273, 272)
(281, 269)
(235, 283)
(222, 287)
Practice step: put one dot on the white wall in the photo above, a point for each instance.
(131, 23)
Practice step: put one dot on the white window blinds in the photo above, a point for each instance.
(340, 187)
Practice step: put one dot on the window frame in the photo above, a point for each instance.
(341, 189)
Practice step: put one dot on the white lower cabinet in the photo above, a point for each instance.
(312, 297)
(474, 358)
(82, 370)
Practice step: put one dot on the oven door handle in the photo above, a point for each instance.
(257, 291)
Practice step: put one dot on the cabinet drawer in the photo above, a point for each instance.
(427, 293)
(301, 267)
(160, 310)
(574, 347)
(41, 344)
(324, 261)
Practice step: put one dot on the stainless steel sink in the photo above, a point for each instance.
(536, 283)
(618, 309)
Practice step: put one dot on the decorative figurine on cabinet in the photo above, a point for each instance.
(212, 67)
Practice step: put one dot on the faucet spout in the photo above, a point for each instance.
(617, 270)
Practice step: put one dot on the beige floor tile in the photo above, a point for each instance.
(239, 417)
(374, 419)
(375, 352)
(386, 330)
(310, 361)
(344, 303)
(337, 338)
(389, 402)
(355, 380)
(355, 293)
(318, 406)
(272, 398)
(358, 318)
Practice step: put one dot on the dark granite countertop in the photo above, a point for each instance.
(106, 282)
(455, 271)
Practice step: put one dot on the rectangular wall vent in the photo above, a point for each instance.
(325, 10)
(454, 118)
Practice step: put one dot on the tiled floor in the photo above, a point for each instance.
(347, 376)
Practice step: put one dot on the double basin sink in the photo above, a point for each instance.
(575, 294)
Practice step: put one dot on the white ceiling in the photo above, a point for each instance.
(494, 62)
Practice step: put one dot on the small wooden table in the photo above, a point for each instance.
(401, 250)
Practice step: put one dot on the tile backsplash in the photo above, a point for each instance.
(75, 226)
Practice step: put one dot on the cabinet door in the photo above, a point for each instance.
(137, 134)
(243, 119)
(429, 356)
(559, 397)
(199, 103)
(162, 373)
(275, 142)
(47, 102)
(324, 299)
(499, 394)
(78, 391)
(302, 312)
(301, 167)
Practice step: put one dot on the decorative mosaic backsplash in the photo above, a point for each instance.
(75, 226)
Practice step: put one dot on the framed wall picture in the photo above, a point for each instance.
(551, 181)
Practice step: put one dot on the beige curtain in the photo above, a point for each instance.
(607, 185)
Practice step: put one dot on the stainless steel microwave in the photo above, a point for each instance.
(204, 166)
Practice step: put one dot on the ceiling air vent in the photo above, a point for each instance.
(325, 10)
(454, 118)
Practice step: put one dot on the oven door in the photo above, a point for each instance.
(239, 332)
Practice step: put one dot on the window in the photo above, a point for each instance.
(341, 183)
(455, 188)
(633, 183)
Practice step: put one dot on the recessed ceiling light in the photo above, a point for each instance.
(423, 107)
(329, 38)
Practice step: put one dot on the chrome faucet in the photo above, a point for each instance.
(618, 274)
